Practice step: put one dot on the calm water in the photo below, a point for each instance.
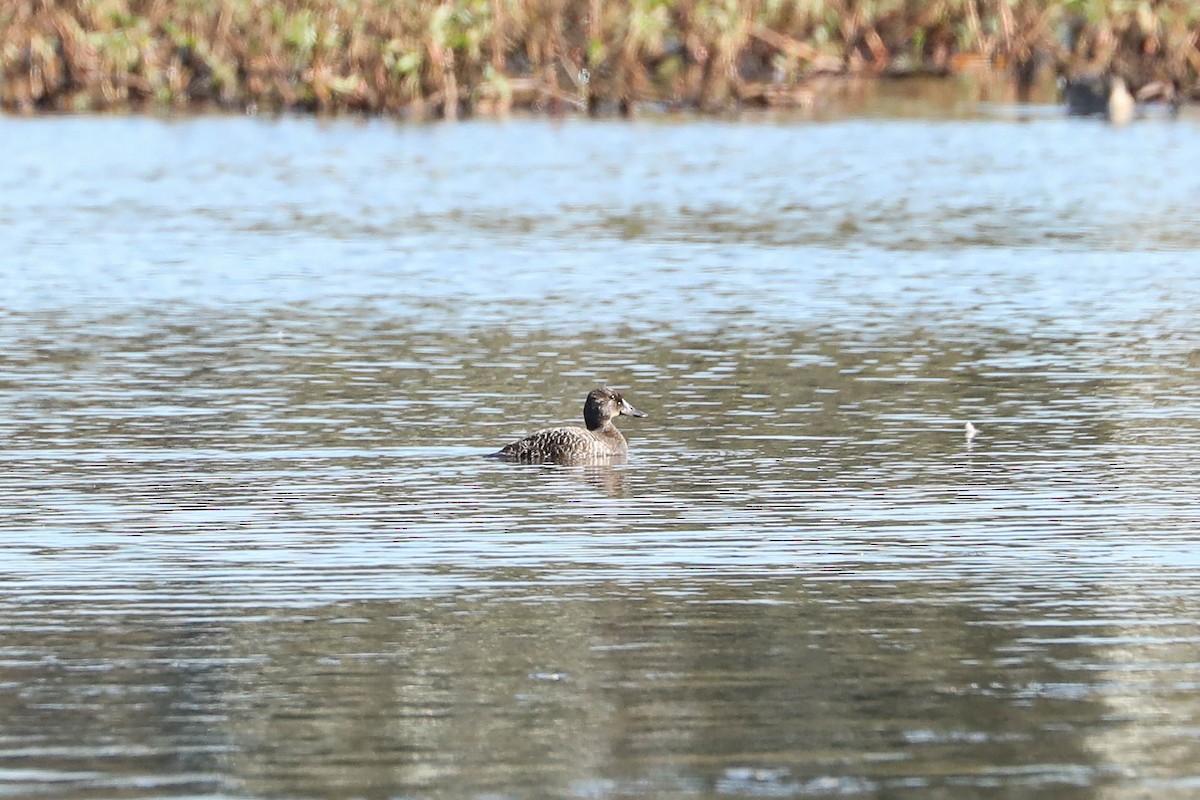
(248, 547)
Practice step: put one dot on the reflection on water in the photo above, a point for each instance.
(250, 546)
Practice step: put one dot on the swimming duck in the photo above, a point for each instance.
(1092, 93)
(1086, 93)
(601, 441)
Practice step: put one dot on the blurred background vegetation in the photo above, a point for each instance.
(489, 56)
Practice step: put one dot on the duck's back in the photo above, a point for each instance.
(567, 444)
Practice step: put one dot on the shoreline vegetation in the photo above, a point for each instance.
(487, 57)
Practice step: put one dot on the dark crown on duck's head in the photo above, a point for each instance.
(602, 405)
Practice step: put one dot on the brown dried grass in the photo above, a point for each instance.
(487, 56)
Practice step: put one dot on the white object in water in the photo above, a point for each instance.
(1121, 104)
(971, 431)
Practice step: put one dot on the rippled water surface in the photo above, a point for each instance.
(249, 546)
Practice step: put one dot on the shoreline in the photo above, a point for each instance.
(491, 58)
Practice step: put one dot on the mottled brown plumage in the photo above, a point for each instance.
(600, 442)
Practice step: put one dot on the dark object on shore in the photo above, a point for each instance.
(601, 441)
(1167, 92)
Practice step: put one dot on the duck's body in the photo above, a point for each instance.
(1099, 94)
(1086, 93)
(567, 444)
(599, 442)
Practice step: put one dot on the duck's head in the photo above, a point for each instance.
(603, 404)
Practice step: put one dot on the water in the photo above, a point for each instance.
(249, 549)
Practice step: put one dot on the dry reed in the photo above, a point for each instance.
(488, 56)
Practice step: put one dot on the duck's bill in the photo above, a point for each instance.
(630, 411)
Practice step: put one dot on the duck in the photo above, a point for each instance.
(1093, 93)
(1086, 93)
(599, 442)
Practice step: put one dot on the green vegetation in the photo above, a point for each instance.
(488, 56)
